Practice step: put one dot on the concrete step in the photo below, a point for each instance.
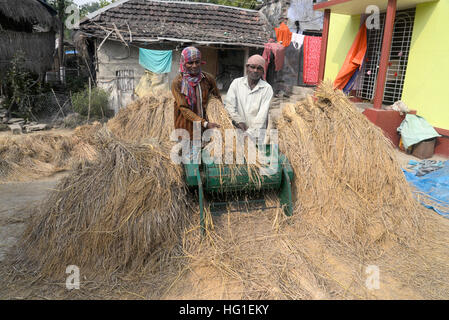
(15, 128)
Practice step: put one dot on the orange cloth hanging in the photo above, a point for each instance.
(354, 59)
(283, 34)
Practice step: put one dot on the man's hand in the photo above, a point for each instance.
(243, 126)
(211, 125)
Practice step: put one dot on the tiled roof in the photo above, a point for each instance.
(148, 21)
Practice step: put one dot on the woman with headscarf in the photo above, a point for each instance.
(191, 90)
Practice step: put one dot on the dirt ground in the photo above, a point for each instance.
(17, 200)
(53, 131)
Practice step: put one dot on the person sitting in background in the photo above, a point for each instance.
(248, 98)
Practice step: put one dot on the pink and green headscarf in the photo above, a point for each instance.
(189, 81)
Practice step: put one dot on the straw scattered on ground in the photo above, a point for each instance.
(39, 155)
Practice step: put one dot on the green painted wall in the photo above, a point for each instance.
(342, 32)
(426, 87)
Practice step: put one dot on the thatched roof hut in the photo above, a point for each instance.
(29, 26)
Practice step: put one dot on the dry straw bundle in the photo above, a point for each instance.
(33, 156)
(216, 113)
(147, 117)
(27, 157)
(38, 155)
(121, 213)
(348, 184)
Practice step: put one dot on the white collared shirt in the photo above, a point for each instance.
(249, 106)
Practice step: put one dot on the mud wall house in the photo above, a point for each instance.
(225, 35)
(406, 59)
(29, 26)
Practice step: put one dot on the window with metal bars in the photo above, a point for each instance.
(125, 80)
(399, 52)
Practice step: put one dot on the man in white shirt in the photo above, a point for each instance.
(248, 98)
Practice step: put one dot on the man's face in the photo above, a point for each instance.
(193, 67)
(255, 72)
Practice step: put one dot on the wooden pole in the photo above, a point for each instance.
(245, 59)
(324, 40)
(61, 9)
(385, 54)
(88, 110)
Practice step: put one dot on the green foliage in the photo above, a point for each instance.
(98, 102)
(90, 7)
(76, 83)
(87, 8)
(60, 5)
(23, 93)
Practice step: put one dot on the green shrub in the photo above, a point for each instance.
(23, 94)
(98, 102)
(76, 83)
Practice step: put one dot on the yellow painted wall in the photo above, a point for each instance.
(426, 87)
(342, 32)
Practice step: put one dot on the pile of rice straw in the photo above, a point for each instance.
(348, 184)
(28, 157)
(38, 155)
(120, 211)
(353, 209)
(119, 214)
(147, 117)
(216, 113)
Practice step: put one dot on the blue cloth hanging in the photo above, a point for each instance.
(157, 61)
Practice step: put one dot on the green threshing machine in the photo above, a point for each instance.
(215, 181)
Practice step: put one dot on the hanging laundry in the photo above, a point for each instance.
(312, 52)
(354, 59)
(283, 34)
(157, 61)
(278, 51)
(297, 40)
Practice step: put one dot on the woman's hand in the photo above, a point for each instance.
(211, 125)
(243, 126)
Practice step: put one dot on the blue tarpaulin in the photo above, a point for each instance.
(436, 185)
(157, 61)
